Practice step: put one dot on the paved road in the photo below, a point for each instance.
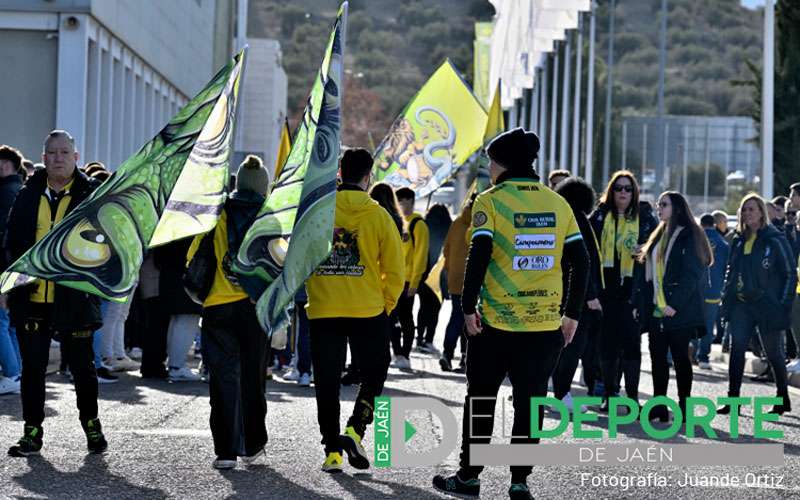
(160, 447)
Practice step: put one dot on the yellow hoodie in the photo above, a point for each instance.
(415, 250)
(363, 276)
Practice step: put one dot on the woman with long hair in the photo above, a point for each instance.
(384, 195)
(621, 224)
(758, 293)
(438, 221)
(668, 294)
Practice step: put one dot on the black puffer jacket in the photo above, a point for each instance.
(683, 290)
(765, 279)
(580, 197)
(74, 309)
(647, 223)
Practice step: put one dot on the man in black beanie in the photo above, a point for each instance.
(522, 235)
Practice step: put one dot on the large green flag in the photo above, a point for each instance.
(174, 187)
(303, 200)
(435, 134)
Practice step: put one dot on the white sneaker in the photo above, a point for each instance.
(184, 374)
(291, 375)
(124, 364)
(794, 366)
(304, 380)
(135, 354)
(224, 464)
(568, 402)
(704, 365)
(9, 385)
(252, 458)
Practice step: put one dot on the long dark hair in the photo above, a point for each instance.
(607, 198)
(384, 195)
(681, 216)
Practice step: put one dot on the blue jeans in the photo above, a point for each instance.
(10, 360)
(97, 339)
(702, 346)
(455, 329)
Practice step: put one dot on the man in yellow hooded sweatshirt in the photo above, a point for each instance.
(350, 297)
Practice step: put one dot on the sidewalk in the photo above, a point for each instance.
(752, 364)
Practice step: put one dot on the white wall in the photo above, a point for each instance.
(263, 106)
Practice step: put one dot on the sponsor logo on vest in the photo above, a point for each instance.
(534, 241)
(538, 220)
(533, 262)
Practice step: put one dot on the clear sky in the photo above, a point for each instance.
(752, 3)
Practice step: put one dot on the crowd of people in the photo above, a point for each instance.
(531, 269)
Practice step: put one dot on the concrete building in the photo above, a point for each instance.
(263, 107)
(112, 73)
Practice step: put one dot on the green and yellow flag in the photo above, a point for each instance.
(495, 125)
(173, 188)
(438, 130)
(293, 231)
(284, 148)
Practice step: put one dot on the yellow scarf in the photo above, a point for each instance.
(622, 234)
(658, 279)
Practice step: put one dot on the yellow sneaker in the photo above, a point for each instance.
(356, 455)
(332, 463)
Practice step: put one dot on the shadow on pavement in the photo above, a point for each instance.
(261, 481)
(92, 480)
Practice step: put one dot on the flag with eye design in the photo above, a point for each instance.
(292, 233)
(173, 188)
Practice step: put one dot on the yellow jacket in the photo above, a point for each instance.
(415, 249)
(455, 252)
(222, 290)
(363, 276)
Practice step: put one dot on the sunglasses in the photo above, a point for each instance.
(619, 189)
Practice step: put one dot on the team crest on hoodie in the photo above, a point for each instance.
(344, 258)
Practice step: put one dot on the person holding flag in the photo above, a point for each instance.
(522, 235)
(45, 310)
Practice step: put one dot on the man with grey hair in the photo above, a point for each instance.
(44, 310)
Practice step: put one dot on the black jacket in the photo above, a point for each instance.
(9, 187)
(647, 223)
(765, 279)
(683, 289)
(74, 309)
(170, 260)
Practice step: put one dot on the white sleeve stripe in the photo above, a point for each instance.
(574, 237)
(482, 232)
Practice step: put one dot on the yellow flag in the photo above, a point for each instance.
(495, 123)
(436, 133)
(284, 148)
(434, 278)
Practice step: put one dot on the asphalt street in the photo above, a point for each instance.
(160, 447)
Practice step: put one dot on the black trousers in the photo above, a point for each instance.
(235, 351)
(676, 342)
(568, 361)
(620, 348)
(34, 346)
(591, 355)
(403, 338)
(744, 321)
(428, 315)
(528, 358)
(369, 344)
(154, 342)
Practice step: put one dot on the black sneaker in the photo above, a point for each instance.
(95, 441)
(461, 368)
(519, 491)
(356, 455)
(445, 364)
(29, 444)
(104, 376)
(455, 486)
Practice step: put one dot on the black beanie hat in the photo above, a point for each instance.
(515, 150)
